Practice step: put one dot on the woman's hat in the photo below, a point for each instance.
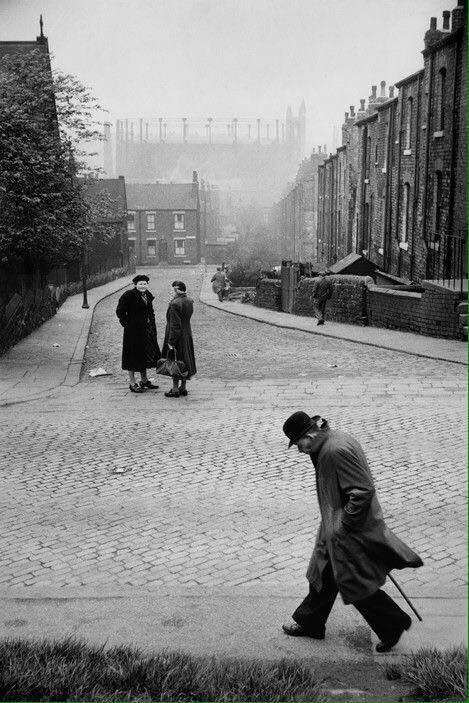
(140, 277)
(298, 425)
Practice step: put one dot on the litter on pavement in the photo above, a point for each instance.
(99, 372)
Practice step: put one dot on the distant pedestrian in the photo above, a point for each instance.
(140, 350)
(322, 292)
(354, 549)
(178, 336)
(218, 282)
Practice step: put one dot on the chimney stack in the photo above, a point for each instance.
(319, 149)
(458, 16)
(391, 91)
(383, 89)
(432, 23)
(325, 148)
(362, 104)
(352, 110)
(373, 91)
(346, 116)
(446, 16)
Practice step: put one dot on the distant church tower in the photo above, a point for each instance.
(302, 127)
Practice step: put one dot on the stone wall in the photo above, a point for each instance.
(269, 294)
(26, 302)
(348, 302)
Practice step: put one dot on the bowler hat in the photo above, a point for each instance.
(298, 425)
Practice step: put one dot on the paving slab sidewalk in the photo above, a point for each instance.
(51, 356)
(231, 622)
(452, 350)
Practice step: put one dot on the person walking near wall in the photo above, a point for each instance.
(354, 549)
(140, 350)
(322, 292)
(218, 282)
(178, 336)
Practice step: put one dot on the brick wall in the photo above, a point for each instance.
(431, 313)
(269, 294)
(348, 302)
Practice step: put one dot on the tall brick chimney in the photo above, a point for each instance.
(383, 89)
(391, 91)
(362, 105)
(446, 16)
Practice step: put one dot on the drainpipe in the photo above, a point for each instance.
(388, 203)
(416, 178)
(427, 150)
(399, 160)
(454, 139)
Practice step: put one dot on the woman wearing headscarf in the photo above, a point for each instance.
(140, 350)
(178, 336)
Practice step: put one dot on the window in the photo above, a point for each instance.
(150, 221)
(441, 98)
(408, 128)
(405, 213)
(131, 221)
(151, 247)
(179, 247)
(368, 157)
(376, 154)
(179, 220)
(437, 194)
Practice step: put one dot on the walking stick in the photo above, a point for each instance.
(404, 596)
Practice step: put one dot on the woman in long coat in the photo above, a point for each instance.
(178, 336)
(140, 350)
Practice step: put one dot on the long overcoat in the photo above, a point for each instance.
(178, 331)
(352, 535)
(135, 317)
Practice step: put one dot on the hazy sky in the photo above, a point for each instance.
(229, 58)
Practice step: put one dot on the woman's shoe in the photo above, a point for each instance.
(183, 392)
(172, 394)
(147, 384)
(135, 388)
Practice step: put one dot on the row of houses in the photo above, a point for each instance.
(395, 190)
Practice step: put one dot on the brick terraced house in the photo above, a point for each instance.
(164, 222)
(395, 191)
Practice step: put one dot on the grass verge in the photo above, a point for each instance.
(435, 675)
(71, 670)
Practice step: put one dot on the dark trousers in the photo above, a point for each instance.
(381, 613)
(319, 308)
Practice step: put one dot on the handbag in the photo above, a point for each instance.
(171, 367)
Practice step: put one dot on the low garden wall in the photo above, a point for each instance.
(25, 304)
(269, 294)
(432, 312)
(348, 302)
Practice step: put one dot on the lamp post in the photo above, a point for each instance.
(84, 271)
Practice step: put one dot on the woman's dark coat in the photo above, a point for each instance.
(352, 535)
(138, 319)
(178, 331)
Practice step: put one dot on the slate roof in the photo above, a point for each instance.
(160, 196)
(8, 48)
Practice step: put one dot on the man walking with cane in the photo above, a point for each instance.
(354, 549)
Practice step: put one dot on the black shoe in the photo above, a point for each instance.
(386, 645)
(183, 392)
(135, 388)
(320, 322)
(172, 394)
(296, 630)
(147, 384)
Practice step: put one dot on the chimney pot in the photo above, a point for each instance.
(383, 89)
(352, 110)
(362, 104)
(391, 91)
(346, 116)
(373, 91)
(432, 22)
(446, 16)
(319, 149)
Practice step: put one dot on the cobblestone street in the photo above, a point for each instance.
(208, 494)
